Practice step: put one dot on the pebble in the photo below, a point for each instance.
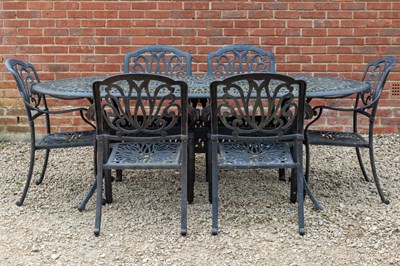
(143, 223)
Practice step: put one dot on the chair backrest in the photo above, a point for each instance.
(257, 105)
(25, 76)
(141, 105)
(376, 72)
(159, 59)
(239, 59)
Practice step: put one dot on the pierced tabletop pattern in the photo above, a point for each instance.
(199, 86)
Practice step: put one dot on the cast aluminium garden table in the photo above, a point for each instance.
(81, 88)
(317, 87)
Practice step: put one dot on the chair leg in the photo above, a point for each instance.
(90, 193)
(209, 165)
(118, 175)
(46, 160)
(374, 173)
(28, 177)
(99, 201)
(191, 169)
(214, 185)
(300, 201)
(307, 164)
(281, 173)
(362, 165)
(108, 186)
(293, 186)
(184, 195)
(310, 194)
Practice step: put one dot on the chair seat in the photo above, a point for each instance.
(333, 138)
(236, 154)
(144, 155)
(67, 139)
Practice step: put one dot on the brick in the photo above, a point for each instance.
(118, 5)
(236, 32)
(273, 23)
(275, 6)
(352, 23)
(351, 41)
(193, 5)
(353, 6)
(260, 14)
(85, 5)
(144, 5)
(15, 5)
(110, 14)
(325, 41)
(247, 24)
(41, 40)
(299, 41)
(312, 15)
(247, 40)
(64, 40)
(287, 32)
(39, 5)
(222, 5)
(170, 6)
(339, 15)
(286, 14)
(182, 14)
(299, 23)
(340, 32)
(233, 14)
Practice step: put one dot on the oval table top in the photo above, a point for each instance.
(317, 87)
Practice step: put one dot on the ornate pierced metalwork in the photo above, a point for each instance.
(159, 59)
(140, 106)
(365, 105)
(145, 154)
(26, 77)
(239, 59)
(266, 154)
(250, 106)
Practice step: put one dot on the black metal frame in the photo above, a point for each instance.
(132, 134)
(258, 123)
(365, 105)
(26, 76)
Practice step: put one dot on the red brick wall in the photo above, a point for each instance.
(74, 38)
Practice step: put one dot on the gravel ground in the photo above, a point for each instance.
(258, 224)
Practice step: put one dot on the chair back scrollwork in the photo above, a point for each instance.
(139, 104)
(25, 76)
(258, 104)
(159, 59)
(240, 59)
(376, 73)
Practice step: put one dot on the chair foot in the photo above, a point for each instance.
(214, 231)
(19, 203)
(96, 231)
(183, 232)
(386, 201)
(302, 231)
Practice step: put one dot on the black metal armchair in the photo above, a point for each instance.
(240, 59)
(141, 124)
(366, 106)
(168, 61)
(36, 106)
(257, 122)
(233, 60)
